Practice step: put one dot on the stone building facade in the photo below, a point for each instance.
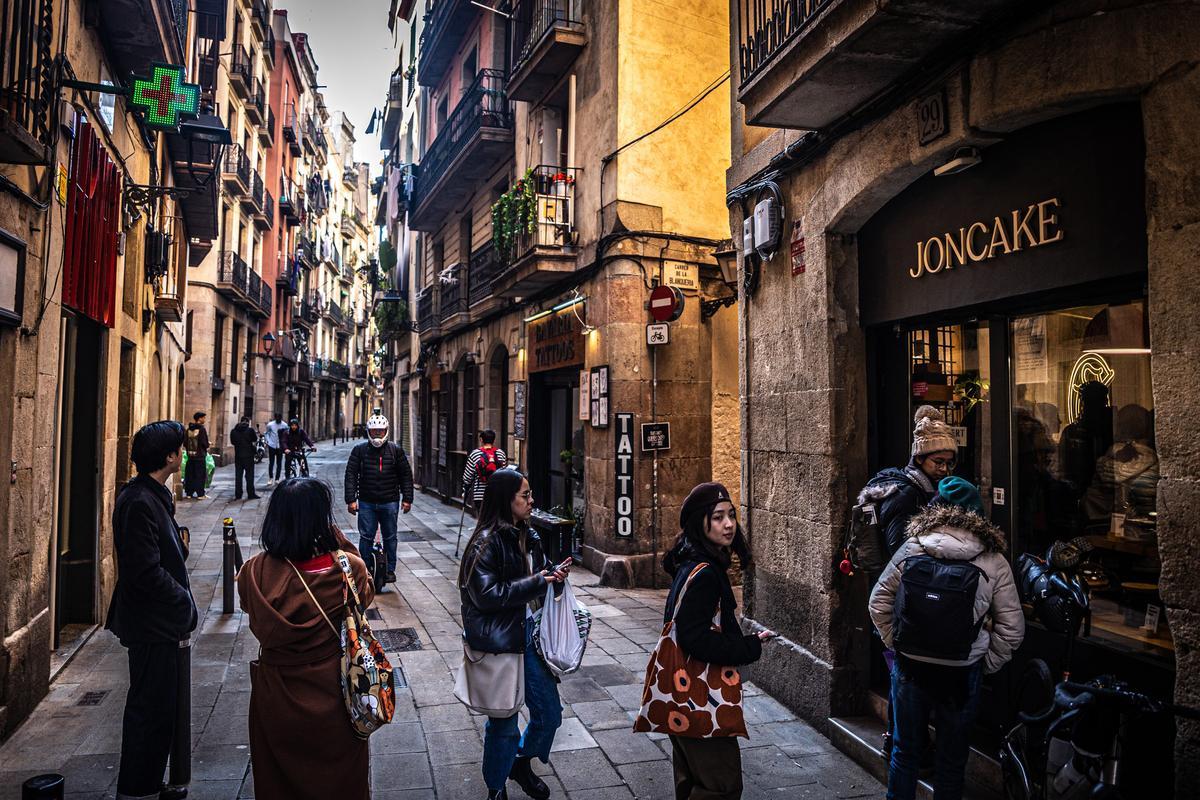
(564, 117)
(877, 128)
(93, 343)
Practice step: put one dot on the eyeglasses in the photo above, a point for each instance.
(944, 463)
(526, 495)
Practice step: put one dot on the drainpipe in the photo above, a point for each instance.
(571, 122)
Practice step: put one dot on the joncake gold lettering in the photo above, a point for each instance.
(971, 243)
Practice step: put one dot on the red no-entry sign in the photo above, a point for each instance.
(666, 303)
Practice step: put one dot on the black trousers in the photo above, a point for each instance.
(149, 725)
(707, 769)
(275, 462)
(195, 476)
(243, 467)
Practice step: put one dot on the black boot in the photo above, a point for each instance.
(531, 784)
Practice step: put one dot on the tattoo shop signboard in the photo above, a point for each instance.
(555, 341)
(623, 516)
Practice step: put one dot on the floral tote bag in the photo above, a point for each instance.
(683, 696)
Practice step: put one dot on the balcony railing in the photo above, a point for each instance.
(289, 206)
(236, 170)
(554, 189)
(266, 132)
(265, 299)
(26, 88)
(256, 192)
(232, 274)
(269, 43)
(485, 266)
(334, 312)
(241, 71)
(260, 16)
(360, 372)
(306, 251)
(768, 28)
(454, 293)
(425, 318)
(310, 312)
(446, 22)
(337, 370)
(256, 103)
(254, 287)
(291, 129)
(267, 218)
(304, 371)
(484, 105)
(309, 138)
(547, 35)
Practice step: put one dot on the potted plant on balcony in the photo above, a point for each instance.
(514, 213)
(560, 184)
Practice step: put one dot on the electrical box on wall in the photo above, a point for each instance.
(766, 225)
(748, 236)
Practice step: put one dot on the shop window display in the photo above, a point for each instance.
(1086, 464)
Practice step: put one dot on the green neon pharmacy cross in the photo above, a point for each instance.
(165, 97)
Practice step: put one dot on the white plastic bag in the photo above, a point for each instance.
(565, 624)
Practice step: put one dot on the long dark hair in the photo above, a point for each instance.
(693, 534)
(299, 522)
(494, 512)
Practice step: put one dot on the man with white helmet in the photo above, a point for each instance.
(379, 483)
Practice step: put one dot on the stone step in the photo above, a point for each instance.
(861, 738)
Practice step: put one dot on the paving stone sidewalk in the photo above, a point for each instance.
(433, 747)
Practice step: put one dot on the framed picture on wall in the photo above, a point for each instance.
(599, 396)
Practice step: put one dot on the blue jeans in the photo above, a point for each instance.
(501, 741)
(912, 706)
(382, 516)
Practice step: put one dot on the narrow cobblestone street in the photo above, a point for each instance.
(433, 747)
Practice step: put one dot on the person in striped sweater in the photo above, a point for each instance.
(483, 461)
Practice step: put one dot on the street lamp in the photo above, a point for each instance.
(268, 341)
(727, 261)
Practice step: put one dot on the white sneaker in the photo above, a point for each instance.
(270, 481)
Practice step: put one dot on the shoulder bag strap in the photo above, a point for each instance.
(304, 583)
(683, 590)
(344, 561)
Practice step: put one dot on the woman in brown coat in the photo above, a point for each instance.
(301, 742)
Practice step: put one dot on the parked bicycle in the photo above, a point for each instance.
(1077, 751)
(297, 462)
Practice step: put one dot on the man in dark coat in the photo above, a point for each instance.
(244, 439)
(152, 609)
(378, 484)
(196, 445)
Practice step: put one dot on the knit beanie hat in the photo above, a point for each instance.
(931, 433)
(956, 491)
(702, 498)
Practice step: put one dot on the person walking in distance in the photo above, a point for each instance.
(243, 438)
(196, 445)
(501, 579)
(276, 430)
(481, 464)
(378, 485)
(948, 605)
(709, 767)
(294, 441)
(152, 609)
(302, 746)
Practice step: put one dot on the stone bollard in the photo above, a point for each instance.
(231, 563)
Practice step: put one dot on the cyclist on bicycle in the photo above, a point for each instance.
(294, 442)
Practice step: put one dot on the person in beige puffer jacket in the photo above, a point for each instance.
(952, 528)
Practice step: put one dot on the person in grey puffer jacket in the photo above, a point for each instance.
(952, 528)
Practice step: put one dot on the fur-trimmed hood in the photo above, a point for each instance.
(951, 532)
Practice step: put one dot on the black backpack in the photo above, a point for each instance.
(864, 548)
(934, 614)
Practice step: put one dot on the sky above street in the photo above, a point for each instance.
(356, 54)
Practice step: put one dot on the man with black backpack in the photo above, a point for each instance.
(378, 485)
(481, 464)
(948, 605)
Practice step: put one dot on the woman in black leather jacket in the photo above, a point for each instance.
(504, 572)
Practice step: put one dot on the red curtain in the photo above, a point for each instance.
(93, 208)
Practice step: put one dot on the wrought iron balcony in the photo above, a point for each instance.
(485, 265)
(291, 129)
(232, 276)
(266, 131)
(241, 72)
(265, 299)
(335, 314)
(256, 103)
(446, 23)
(538, 258)
(337, 370)
(266, 218)
(807, 63)
(236, 171)
(453, 310)
(547, 35)
(254, 289)
(475, 137)
(310, 134)
(269, 42)
(287, 280)
(360, 372)
(289, 207)
(426, 322)
(260, 17)
(252, 201)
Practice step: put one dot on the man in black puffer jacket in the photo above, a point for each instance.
(378, 484)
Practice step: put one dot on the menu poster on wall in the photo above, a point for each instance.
(599, 398)
(585, 395)
(519, 410)
(623, 464)
(418, 449)
(1031, 349)
(441, 433)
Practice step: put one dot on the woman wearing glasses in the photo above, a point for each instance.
(502, 579)
(901, 493)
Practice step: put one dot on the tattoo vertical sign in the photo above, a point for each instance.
(623, 510)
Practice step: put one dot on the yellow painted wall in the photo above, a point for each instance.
(668, 54)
